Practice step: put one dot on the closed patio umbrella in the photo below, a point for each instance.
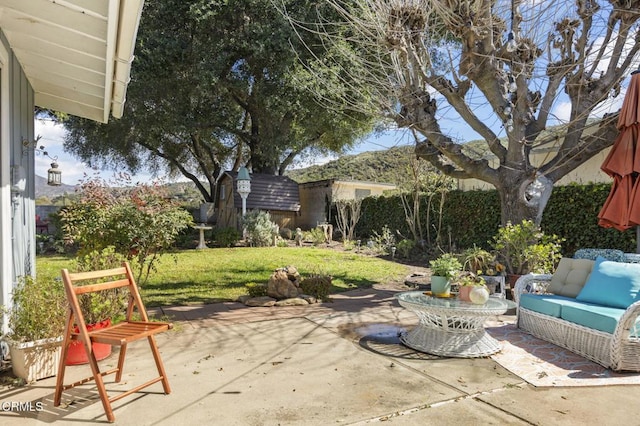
(621, 210)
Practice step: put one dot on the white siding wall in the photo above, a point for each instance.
(17, 224)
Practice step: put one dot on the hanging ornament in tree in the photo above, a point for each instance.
(512, 45)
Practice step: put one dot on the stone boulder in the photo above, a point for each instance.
(261, 301)
(284, 283)
(296, 301)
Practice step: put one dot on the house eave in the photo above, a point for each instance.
(76, 54)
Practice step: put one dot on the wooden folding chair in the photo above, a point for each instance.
(120, 334)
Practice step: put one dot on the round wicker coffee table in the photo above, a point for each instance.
(450, 327)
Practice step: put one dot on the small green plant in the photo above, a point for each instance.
(39, 309)
(469, 279)
(259, 227)
(384, 241)
(318, 286)
(405, 247)
(316, 236)
(348, 245)
(226, 237)
(524, 248)
(256, 289)
(476, 259)
(108, 304)
(447, 265)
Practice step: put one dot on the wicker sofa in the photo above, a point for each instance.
(590, 307)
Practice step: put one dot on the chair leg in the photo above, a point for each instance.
(62, 364)
(123, 351)
(159, 364)
(102, 391)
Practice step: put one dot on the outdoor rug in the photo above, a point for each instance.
(544, 364)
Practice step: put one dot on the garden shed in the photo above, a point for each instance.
(316, 197)
(277, 195)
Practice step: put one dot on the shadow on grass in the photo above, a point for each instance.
(190, 292)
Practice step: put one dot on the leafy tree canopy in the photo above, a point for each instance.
(220, 83)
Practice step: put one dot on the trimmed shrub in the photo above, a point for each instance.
(260, 229)
(226, 237)
(473, 217)
(317, 286)
(256, 290)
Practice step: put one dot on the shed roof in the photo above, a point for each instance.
(332, 181)
(268, 192)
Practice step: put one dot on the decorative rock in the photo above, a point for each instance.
(310, 299)
(283, 283)
(292, 273)
(263, 301)
(243, 298)
(294, 301)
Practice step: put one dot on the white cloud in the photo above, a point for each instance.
(73, 170)
(561, 113)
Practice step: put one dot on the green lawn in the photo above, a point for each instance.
(216, 275)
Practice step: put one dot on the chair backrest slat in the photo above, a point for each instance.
(108, 279)
(91, 288)
(93, 275)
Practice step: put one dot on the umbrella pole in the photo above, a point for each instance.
(637, 239)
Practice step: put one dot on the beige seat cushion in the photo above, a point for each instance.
(570, 276)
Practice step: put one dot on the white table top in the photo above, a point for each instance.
(419, 299)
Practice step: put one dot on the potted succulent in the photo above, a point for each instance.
(472, 288)
(37, 321)
(443, 270)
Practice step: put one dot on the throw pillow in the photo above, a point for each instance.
(614, 284)
(570, 276)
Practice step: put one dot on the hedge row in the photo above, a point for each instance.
(473, 217)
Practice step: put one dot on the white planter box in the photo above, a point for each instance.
(37, 360)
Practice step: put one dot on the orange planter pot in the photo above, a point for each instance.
(77, 354)
(463, 293)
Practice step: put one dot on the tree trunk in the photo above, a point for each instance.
(517, 202)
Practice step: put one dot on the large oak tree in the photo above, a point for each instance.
(221, 83)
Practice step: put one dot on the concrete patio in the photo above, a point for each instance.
(330, 363)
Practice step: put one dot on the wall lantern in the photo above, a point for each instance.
(244, 187)
(54, 175)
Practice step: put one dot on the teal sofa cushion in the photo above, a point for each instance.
(547, 304)
(603, 318)
(613, 284)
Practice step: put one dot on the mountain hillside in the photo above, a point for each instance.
(374, 166)
(44, 190)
